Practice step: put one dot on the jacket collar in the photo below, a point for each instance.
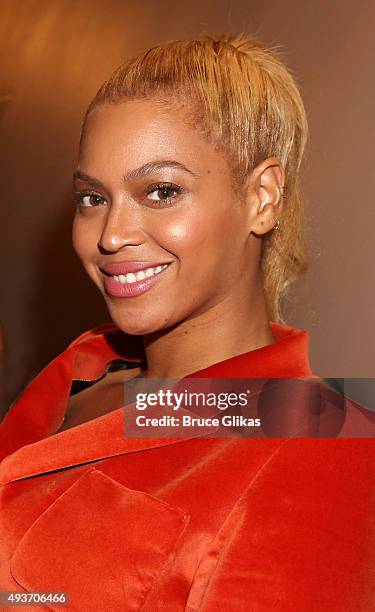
(27, 434)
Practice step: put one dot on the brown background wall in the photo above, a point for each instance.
(53, 56)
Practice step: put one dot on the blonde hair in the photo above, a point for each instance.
(247, 103)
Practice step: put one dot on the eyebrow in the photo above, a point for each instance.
(81, 176)
(137, 173)
(150, 167)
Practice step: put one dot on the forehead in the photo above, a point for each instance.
(134, 132)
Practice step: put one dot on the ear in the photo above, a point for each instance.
(265, 195)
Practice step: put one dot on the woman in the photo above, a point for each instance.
(189, 222)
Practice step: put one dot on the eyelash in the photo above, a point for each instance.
(164, 187)
(80, 195)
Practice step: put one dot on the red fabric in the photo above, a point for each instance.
(181, 524)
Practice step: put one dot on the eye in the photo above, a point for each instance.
(163, 193)
(88, 199)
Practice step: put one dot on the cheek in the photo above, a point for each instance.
(77, 238)
(187, 237)
(84, 239)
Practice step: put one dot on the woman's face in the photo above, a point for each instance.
(158, 225)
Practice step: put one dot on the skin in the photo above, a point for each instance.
(209, 304)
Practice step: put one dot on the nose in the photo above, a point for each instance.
(123, 227)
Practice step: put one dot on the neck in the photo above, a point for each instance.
(232, 327)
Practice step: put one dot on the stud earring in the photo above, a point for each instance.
(277, 225)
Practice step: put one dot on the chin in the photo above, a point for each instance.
(139, 325)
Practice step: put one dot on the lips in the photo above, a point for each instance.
(120, 279)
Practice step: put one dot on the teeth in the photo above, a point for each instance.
(126, 279)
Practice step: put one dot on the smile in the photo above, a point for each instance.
(134, 283)
(130, 277)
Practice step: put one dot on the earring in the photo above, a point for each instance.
(282, 193)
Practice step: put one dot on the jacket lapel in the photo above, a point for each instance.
(27, 433)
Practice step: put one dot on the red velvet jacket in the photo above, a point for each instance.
(182, 524)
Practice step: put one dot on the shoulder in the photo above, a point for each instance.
(39, 409)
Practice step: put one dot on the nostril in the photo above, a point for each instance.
(103, 250)
(112, 239)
